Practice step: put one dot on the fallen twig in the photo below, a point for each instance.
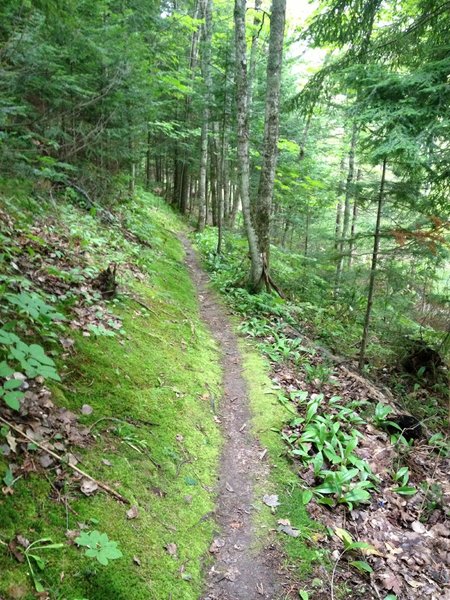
(116, 420)
(60, 459)
(141, 303)
(333, 574)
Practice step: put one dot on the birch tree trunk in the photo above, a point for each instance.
(206, 74)
(271, 129)
(373, 270)
(257, 25)
(243, 165)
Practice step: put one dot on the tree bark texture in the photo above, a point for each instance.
(373, 270)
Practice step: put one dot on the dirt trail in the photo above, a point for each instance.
(239, 572)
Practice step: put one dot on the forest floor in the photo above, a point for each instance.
(242, 569)
(191, 413)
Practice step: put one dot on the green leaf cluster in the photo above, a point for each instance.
(99, 546)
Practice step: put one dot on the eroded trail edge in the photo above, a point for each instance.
(240, 571)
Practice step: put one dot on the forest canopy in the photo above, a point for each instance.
(339, 159)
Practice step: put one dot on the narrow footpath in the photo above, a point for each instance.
(240, 572)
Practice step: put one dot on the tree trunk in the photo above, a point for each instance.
(214, 187)
(243, 142)
(184, 188)
(354, 219)
(346, 220)
(373, 271)
(301, 153)
(148, 161)
(206, 74)
(235, 206)
(308, 221)
(257, 25)
(285, 232)
(271, 128)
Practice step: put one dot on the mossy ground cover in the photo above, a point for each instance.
(269, 415)
(162, 370)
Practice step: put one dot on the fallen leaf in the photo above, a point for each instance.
(88, 487)
(412, 582)
(418, 527)
(136, 561)
(171, 548)
(46, 461)
(133, 512)
(216, 545)
(391, 582)
(289, 530)
(161, 493)
(71, 459)
(71, 534)
(12, 547)
(22, 541)
(12, 442)
(271, 500)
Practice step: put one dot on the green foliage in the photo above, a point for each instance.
(32, 305)
(8, 478)
(32, 358)
(351, 546)
(99, 546)
(8, 390)
(327, 442)
(401, 477)
(35, 561)
(109, 374)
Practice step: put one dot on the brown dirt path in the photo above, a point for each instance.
(239, 572)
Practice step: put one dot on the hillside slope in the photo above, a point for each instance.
(133, 407)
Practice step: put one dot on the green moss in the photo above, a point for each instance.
(268, 418)
(160, 372)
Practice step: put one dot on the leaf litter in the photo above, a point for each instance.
(410, 535)
(49, 260)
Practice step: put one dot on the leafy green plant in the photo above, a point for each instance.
(434, 498)
(284, 348)
(351, 546)
(34, 307)
(440, 442)
(100, 331)
(31, 358)
(99, 546)
(327, 442)
(382, 411)
(256, 327)
(8, 478)
(34, 560)
(401, 476)
(129, 437)
(9, 391)
(319, 372)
